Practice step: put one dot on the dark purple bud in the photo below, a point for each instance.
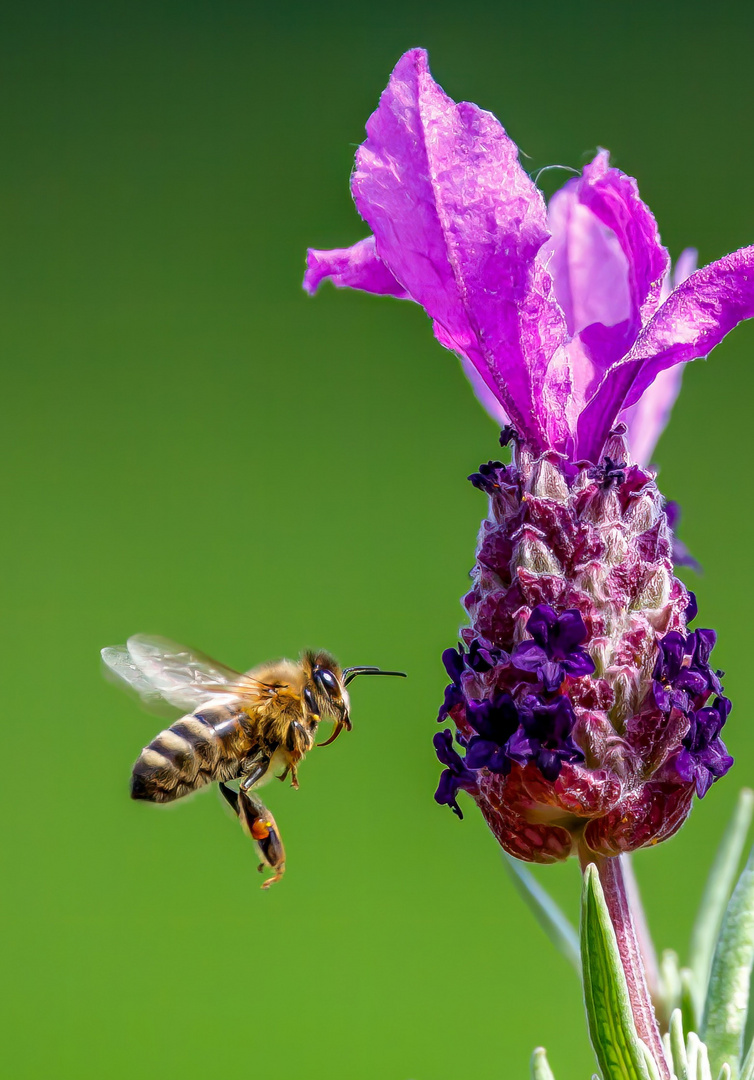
(704, 757)
(529, 656)
(681, 554)
(485, 754)
(541, 623)
(453, 659)
(453, 698)
(551, 675)
(692, 608)
(568, 632)
(670, 653)
(495, 719)
(700, 644)
(456, 776)
(555, 650)
(489, 476)
(482, 656)
(545, 736)
(608, 473)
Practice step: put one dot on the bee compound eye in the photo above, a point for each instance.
(326, 680)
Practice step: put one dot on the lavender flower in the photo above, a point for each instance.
(590, 713)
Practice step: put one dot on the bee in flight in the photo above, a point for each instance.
(234, 726)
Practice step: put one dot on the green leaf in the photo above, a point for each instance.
(677, 1046)
(728, 991)
(540, 1068)
(747, 1069)
(716, 894)
(619, 1051)
(649, 1061)
(688, 1001)
(749, 1029)
(547, 913)
(698, 1060)
(670, 980)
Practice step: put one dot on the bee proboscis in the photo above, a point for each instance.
(235, 726)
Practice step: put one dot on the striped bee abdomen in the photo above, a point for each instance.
(195, 750)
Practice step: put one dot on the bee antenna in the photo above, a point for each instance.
(350, 673)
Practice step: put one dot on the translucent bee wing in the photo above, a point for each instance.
(163, 671)
(120, 668)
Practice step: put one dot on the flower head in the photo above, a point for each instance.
(565, 316)
(588, 712)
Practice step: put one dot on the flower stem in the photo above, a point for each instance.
(646, 945)
(613, 883)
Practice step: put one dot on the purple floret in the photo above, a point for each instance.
(546, 736)
(495, 720)
(704, 757)
(456, 776)
(555, 649)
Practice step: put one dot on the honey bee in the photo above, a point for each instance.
(234, 726)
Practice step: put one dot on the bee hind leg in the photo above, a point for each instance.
(260, 826)
(230, 796)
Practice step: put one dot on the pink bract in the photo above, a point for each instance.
(562, 313)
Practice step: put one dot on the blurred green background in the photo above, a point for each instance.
(194, 448)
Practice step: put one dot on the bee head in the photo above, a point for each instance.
(324, 680)
(326, 685)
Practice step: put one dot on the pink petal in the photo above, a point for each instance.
(608, 267)
(459, 224)
(646, 420)
(588, 265)
(356, 267)
(614, 200)
(695, 317)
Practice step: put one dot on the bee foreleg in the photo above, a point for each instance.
(298, 742)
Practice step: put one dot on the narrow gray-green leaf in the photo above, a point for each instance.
(677, 1043)
(670, 979)
(540, 1067)
(547, 913)
(619, 1051)
(704, 1071)
(649, 1061)
(728, 991)
(691, 1018)
(716, 894)
(747, 1069)
(692, 1054)
(749, 1029)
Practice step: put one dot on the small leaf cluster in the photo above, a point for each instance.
(704, 1007)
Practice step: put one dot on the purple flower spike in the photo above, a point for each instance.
(565, 317)
(583, 702)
